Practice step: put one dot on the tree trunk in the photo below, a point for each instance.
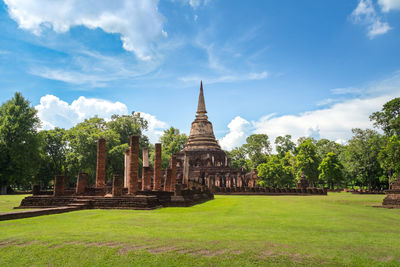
(3, 189)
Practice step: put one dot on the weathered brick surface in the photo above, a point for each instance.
(167, 180)
(117, 185)
(157, 168)
(133, 165)
(81, 183)
(172, 165)
(58, 185)
(146, 181)
(126, 168)
(101, 163)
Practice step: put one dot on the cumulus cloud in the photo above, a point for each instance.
(387, 5)
(366, 14)
(333, 121)
(238, 130)
(139, 22)
(155, 128)
(54, 112)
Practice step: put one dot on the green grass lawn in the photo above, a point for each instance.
(338, 229)
(8, 202)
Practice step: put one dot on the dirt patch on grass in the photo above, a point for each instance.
(159, 250)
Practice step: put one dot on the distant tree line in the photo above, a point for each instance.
(30, 156)
(368, 160)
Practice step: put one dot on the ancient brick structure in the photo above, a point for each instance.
(126, 168)
(58, 185)
(303, 183)
(101, 163)
(146, 180)
(81, 183)
(172, 165)
(117, 185)
(392, 199)
(202, 160)
(167, 180)
(157, 168)
(133, 165)
(36, 190)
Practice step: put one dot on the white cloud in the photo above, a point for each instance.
(238, 130)
(387, 5)
(333, 122)
(155, 128)
(54, 112)
(366, 14)
(138, 22)
(227, 78)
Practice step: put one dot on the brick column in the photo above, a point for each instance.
(133, 165)
(117, 185)
(126, 168)
(146, 181)
(101, 163)
(145, 155)
(81, 183)
(167, 180)
(58, 185)
(157, 168)
(172, 165)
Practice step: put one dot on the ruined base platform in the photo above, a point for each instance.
(142, 200)
(269, 191)
(392, 199)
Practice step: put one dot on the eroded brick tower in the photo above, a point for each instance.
(202, 160)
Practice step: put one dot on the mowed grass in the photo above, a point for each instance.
(338, 229)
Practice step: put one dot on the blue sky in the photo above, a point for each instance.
(305, 68)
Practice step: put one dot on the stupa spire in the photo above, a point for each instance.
(201, 107)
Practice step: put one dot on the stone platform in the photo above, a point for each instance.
(269, 191)
(392, 199)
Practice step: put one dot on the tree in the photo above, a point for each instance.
(274, 173)
(19, 143)
(361, 158)
(82, 142)
(257, 148)
(172, 142)
(53, 152)
(389, 157)
(307, 162)
(284, 144)
(127, 125)
(238, 159)
(388, 119)
(331, 170)
(324, 146)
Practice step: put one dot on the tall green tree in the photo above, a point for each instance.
(284, 144)
(53, 152)
(172, 141)
(19, 144)
(388, 118)
(361, 158)
(389, 158)
(258, 148)
(331, 170)
(307, 162)
(82, 143)
(274, 173)
(238, 159)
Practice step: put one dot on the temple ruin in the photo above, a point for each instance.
(194, 174)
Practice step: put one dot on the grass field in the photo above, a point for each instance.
(338, 229)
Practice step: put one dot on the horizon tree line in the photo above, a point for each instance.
(30, 156)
